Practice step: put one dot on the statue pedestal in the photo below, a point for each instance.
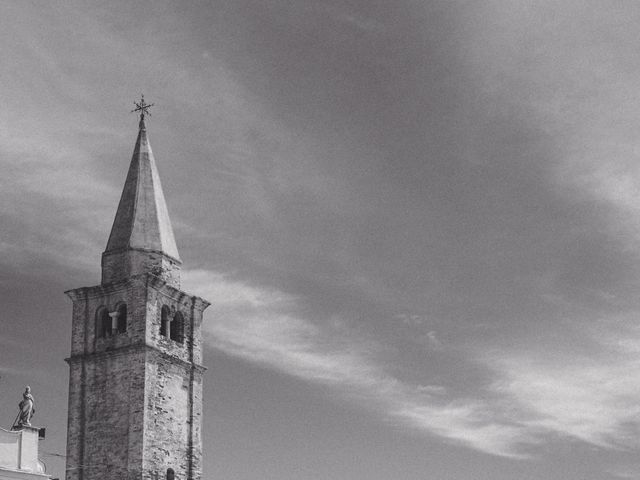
(19, 451)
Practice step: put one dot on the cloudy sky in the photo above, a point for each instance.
(418, 223)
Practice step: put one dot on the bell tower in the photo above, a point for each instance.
(135, 382)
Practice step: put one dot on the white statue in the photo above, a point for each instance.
(27, 409)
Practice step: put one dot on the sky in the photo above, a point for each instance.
(418, 223)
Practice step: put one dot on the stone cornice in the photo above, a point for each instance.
(144, 250)
(118, 352)
(97, 291)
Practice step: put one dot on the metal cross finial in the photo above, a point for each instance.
(142, 107)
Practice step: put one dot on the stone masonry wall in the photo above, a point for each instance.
(106, 421)
(117, 266)
(174, 387)
(135, 398)
(106, 386)
(167, 416)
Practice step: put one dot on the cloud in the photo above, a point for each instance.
(591, 397)
(56, 206)
(577, 92)
(535, 396)
(265, 327)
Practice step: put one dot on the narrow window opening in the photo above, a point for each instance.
(106, 324)
(122, 318)
(164, 321)
(103, 323)
(177, 328)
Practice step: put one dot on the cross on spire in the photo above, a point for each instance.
(142, 107)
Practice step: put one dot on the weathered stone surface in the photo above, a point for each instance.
(135, 398)
(122, 264)
(135, 395)
(142, 219)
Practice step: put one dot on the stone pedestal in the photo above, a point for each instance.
(19, 455)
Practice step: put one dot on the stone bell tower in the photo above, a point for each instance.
(135, 383)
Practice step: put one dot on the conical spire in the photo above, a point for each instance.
(141, 238)
(142, 220)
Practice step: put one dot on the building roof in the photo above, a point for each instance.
(142, 220)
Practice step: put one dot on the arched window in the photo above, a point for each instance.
(164, 321)
(171, 475)
(103, 323)
(122, 318)
(177, 328)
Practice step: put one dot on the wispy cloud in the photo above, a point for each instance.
(535, 397)
(59, 203)
(593, 398)
(265, 326)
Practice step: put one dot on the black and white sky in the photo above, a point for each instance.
(418, 223)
